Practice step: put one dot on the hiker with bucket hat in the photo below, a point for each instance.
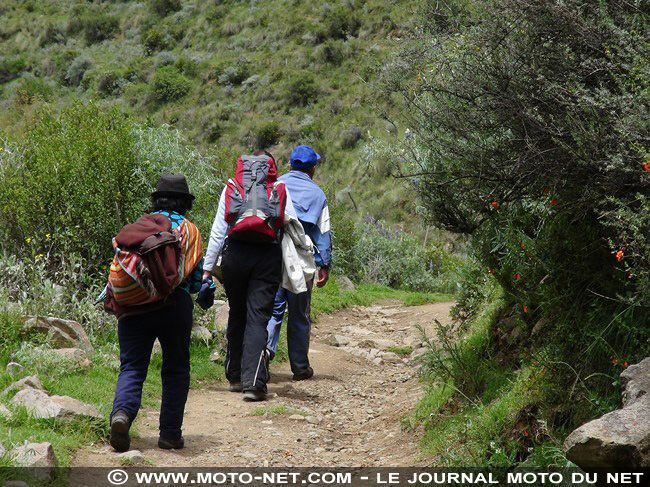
(157, 264)
(312, 211)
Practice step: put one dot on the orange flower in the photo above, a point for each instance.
(619, 255)
(517, 276)
(523, 246)
(525, 309)
(625, 364)
(546, 189)
(494, 205)
(553, 202)
(615, 361)
(646, 166)
(526, 434)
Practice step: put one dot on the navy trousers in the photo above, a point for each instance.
(251, 275)
(298, 327)
(172, 325)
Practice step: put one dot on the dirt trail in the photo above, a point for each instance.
(351, 409)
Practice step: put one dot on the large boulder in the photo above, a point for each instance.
(76, 355)
(42, 406)
(345, 283)
(636, 382)
(60, 332)
(620, 439)
(29, 382)
(38, 456)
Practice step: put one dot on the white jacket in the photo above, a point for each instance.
(299, 269)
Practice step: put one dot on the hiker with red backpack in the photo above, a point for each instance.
(313, 214)
(157, 264)
(246, 233)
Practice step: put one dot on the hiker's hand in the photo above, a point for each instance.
(207, 275)
(323, 276)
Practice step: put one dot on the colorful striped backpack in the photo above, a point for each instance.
(153, 256)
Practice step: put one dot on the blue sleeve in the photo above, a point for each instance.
(321, 235)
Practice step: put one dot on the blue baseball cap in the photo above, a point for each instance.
(304, 157)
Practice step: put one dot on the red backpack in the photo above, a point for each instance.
(255, 200)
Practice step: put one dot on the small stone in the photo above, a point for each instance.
(14, 368)
(133, 455)
(15, 483)
(376, 361)
(390, 357)
(313, 420)
(216, 356)
(33, 455)
(297, 417)
(29, 382)
(418, 353)
(319, 449)
(345, 283)
(221, 316)
(413, 342)
(201, 333)
(337, 340)
(267, 422)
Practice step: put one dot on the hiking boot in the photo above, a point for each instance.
(254, 395)
(308, 373)
(235, 387)
(171, 444)
(120, 425)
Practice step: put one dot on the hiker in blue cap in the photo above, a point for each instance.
(311, 208)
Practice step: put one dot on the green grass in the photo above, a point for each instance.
(401, 351)
(283, 410)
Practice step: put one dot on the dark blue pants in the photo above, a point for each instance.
(298, 327)
(172, 325)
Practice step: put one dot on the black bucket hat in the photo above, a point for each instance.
(172, 185)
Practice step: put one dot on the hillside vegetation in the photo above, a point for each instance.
(229, 74)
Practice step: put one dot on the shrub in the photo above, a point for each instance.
(350, 137)
(154, 40)
(187, 66)
(165, 7)
(267, 134)
(236, 73)
(169, 84)
(340, 23)
(76, 71)
(331, 51)
(53, 34)
(100, 27)
(77, 184)
(31, 89)
(301, 90)
(110, 84)
(11, 68)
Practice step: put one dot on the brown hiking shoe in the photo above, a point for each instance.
(120, 425)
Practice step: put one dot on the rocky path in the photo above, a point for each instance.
(347, 415)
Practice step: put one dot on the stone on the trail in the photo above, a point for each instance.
(297, 417)
(34, 455)
(357, 330)
(4, 411)
(319, 449)
(133, 455)
(412, 341)
(377, 361)
(60, 332)
(636, 382)
(77, 355)
(345, 283)
(221, 316)
(337, 340)
(29, 382)
(379, 343)
(216, 356)
(14, 368)
(390, 357)
(42, 406)
(373, 352)
(201, 333)
(418, 352)
(619, 439)
(313, 420)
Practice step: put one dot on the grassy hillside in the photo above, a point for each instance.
(228, 74)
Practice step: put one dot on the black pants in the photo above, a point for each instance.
(172, 325)
(251, 276)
